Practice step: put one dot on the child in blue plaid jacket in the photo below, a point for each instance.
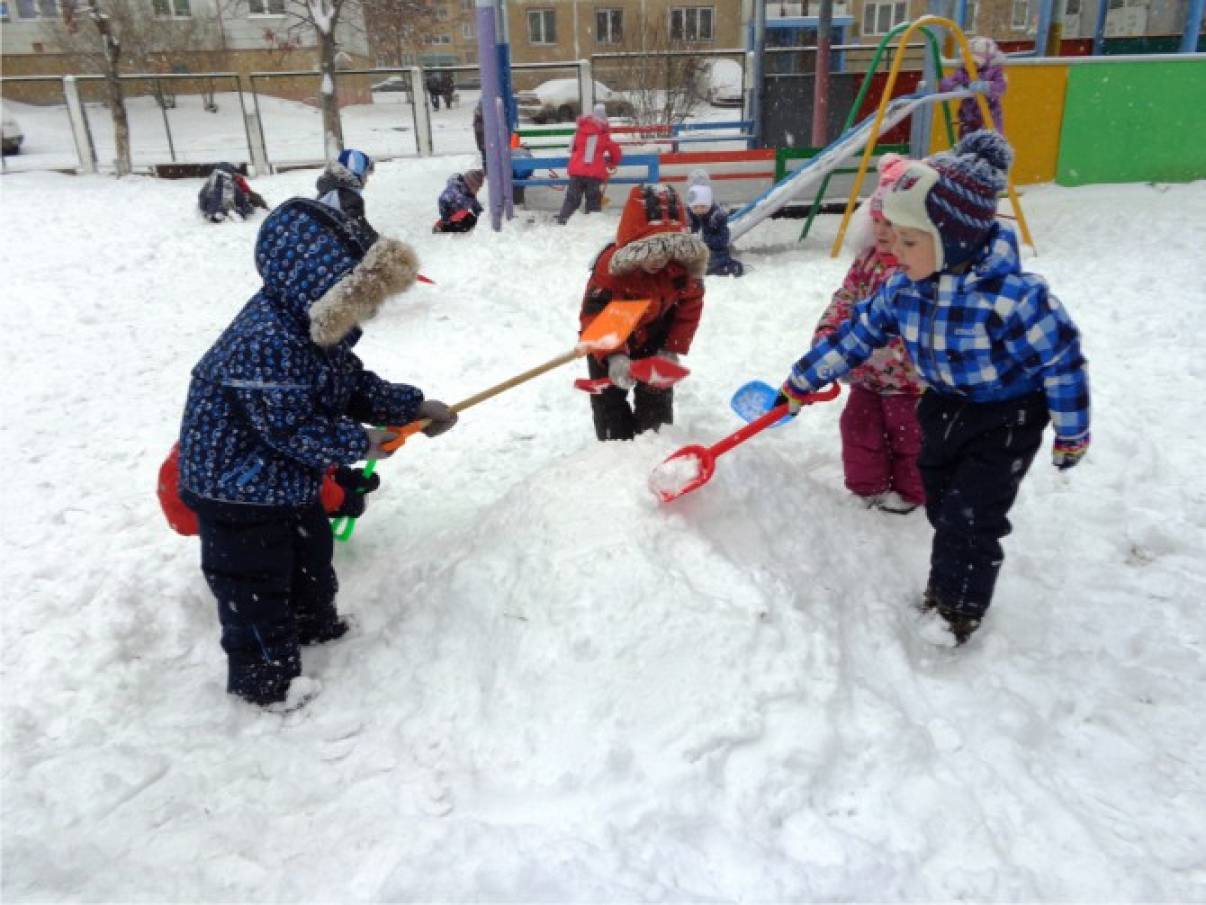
(999, 355)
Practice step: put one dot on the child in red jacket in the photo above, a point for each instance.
(653, 257)
(592, 154)
(880, 434)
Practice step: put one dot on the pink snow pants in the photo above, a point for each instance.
(880, 442)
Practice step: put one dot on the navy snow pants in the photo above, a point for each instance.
(973, 458)
(270, 569)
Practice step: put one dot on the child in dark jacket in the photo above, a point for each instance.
(653, 257)
(990, 68)
(459, 207)
(1000, 355)
(226, 195)
(274, 403)
(711, 221)
(341, 186)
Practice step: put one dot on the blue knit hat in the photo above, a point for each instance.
(357, 161)
(953, 195)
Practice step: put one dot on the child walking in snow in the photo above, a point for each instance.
(990, 68)
(653, 257)
(226, 195)
(341, 186)
(880, 434)
(593, 154)
(711, 221)
(274, 403)
(458, 204)
(999, 354)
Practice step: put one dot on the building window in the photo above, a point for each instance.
(969, 23)
(266, 7)
(609, 26)
(691, 23)
(165, 9)
(439, 39)
(1020, 15)
(38, 9)
(880, 18)
(3, 11)
(542, 26)
(467, 30)
(442, 13)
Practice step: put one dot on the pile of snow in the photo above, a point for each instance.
(558, 688)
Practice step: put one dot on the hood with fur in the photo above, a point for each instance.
(389, 267)
(655, 252)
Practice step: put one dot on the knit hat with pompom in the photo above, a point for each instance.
(953, 195)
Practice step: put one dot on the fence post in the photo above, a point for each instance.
(84, 148)
(422, 112)
(586, 88)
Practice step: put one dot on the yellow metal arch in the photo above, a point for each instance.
(961, 39)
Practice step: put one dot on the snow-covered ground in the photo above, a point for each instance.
(558, 689)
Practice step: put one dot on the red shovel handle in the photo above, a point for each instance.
(742, 434)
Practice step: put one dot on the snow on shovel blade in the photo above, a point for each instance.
(594, 387)
(658, 372)
(754, 400)
(686, 470)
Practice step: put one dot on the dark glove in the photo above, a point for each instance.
(257, 200)
(1067, 454)
(442, 418)
(354, 485)
(793, 406)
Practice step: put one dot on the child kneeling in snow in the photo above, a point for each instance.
(341, 185)
(999, 354)
(226, 195)
(653, 257)
(711, 221)
(459, 207)
(275, 402)
(880, 434)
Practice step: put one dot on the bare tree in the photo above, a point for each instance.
(665, 82)
(112, 36)
(399, 28)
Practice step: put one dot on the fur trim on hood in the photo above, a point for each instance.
(388, 268)
(652, 253)
(337, 176)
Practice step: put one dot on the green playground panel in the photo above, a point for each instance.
(1134, 122)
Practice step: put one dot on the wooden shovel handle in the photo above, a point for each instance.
(409, 430)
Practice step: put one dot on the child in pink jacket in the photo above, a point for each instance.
(881, 437)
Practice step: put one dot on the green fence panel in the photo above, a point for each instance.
(1134, 121)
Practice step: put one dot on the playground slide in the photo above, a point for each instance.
(829, 159)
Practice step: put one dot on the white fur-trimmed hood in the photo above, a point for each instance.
(656, 251)
(388, 268)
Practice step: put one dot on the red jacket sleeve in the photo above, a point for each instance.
(686, 318)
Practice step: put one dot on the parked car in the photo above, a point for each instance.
(12, 135)
(556, 101)
(724, 84)
(395, 84)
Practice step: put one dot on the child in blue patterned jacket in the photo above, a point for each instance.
(275, 402)
(999, 354)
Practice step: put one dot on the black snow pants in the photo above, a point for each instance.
(973, 458)
(579, 186)
(615, 419)
(270, 569)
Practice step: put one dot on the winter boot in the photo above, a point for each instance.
(944, 625)
(893, 502)
(259, 680)
(322, 633)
